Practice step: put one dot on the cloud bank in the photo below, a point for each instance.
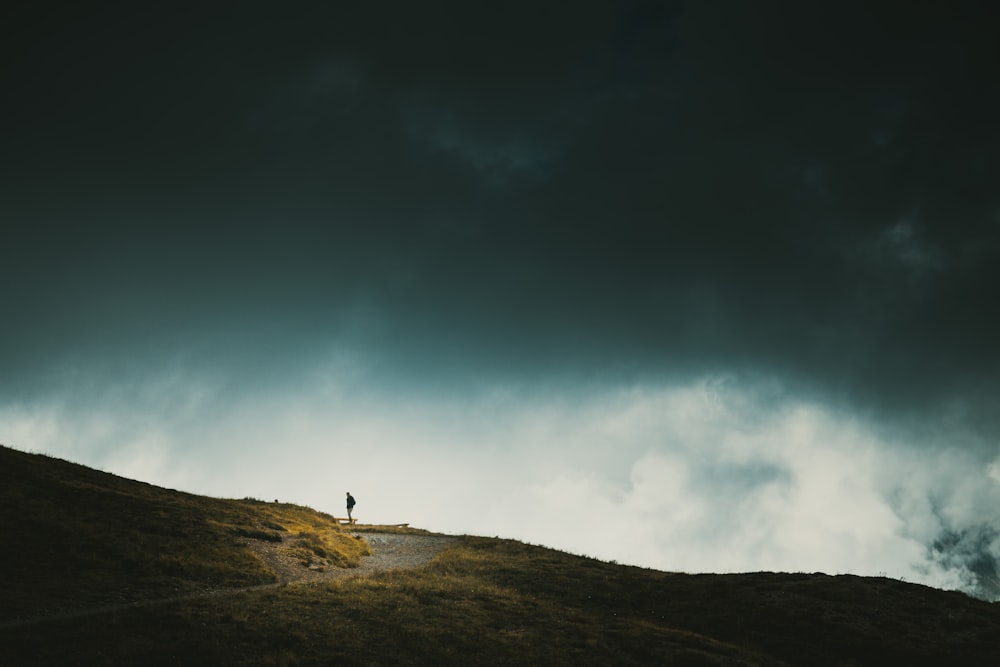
(717, 475)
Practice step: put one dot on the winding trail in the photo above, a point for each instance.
(392, 551)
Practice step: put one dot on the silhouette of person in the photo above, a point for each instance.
(350, 506)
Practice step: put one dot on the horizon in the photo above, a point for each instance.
(714, 279)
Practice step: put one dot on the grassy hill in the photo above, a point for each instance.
(101, 570)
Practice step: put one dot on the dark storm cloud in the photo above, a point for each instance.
(618, 190)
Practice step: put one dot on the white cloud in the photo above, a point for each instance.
(707, 477)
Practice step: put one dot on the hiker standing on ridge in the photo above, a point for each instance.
(350, 506)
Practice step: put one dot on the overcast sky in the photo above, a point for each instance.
(703, 286)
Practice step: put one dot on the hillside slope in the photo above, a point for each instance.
(82, 538)
(76, 538)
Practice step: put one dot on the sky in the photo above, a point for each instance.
(696, 286)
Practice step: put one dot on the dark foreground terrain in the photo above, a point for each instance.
(100, 570)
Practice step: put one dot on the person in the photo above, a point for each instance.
(350, 506)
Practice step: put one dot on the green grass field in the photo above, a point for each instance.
(79, 540)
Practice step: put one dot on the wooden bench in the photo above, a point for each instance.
(344, 521)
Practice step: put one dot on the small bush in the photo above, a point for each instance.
(254, 534)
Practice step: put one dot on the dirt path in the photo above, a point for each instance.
(391, 552)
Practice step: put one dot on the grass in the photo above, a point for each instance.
(78, 538)
(482, 601)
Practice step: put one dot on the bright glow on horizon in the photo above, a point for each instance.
(704, 477)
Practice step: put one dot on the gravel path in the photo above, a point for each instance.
(392, 551)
